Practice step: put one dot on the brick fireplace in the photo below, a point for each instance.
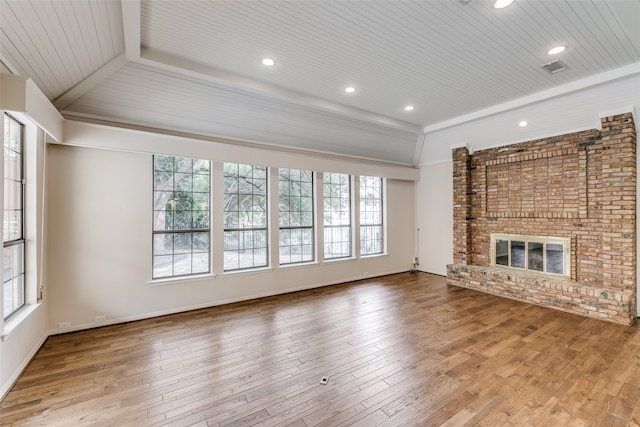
(579, 186)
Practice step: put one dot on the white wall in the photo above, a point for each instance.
(99, 243)
(22, 335)
(435, 217)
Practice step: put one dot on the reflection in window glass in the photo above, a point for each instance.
(337, 215)
(517, 254)
(245, 216)
(13, 231)
(502, 252)
(371, 215)
(555, 258)
(296, 216)
(535, 256)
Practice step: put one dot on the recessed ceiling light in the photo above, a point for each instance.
(408, 108)
(556, 50)
(523, 123)
(268, 62)
(499, 4)
(349, 89)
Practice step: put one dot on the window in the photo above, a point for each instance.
(181, 216)
(337, 215)
(371, 217)
(245, 216)
(296, 216)
(533, 253)
(13, 231)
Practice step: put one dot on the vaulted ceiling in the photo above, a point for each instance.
(195, 66)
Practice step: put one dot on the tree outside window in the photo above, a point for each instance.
(371, 215)
(245, 217)
(13, 277)
(181, 216)
(337, 215)
(296, 216)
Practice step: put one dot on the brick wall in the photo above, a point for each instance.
(581, 186)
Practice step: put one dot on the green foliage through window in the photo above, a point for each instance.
(296, 216)
(371, 218)
(181, 216)
(337, 215)
(245, 216)
(13, 281)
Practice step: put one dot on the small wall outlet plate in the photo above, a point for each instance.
(63, 325)
(101, 318)
(324, 380)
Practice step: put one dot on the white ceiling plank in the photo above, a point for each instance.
(454, 62)
(609, 76)
(173, 63)
(70, 96)
(627, 13)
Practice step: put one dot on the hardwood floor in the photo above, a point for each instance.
(401, 350)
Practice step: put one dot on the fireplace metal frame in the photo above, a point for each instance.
(564, 242)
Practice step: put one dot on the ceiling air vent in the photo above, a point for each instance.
(554, 66)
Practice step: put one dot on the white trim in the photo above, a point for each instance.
(462, 145)
(14, 321)
(131, 28)
(181, 279)
(435, 162)
(568, 88)
(216, 303)
(21, 95)
(8, 385)
(152, 141)
(97, 77)
(417, 154)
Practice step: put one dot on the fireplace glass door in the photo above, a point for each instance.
(532, 253)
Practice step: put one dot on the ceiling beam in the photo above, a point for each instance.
(102, 73)
(131, 27)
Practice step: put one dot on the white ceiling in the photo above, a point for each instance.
(194, 66)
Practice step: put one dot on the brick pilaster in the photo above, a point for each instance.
(461, 204)
(619, 202)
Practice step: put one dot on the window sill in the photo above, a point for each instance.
(337, 260)
(298, 265)
(382, 254)
(247, 271)
(181, 280)
(12, 324)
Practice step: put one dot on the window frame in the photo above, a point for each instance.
(252, 229)
(192, 231)
(312, 214)
(348, 227)
(363, 224)
(21, 241)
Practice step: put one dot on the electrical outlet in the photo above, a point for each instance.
(324, 380)
(64, 325)
(101, 318)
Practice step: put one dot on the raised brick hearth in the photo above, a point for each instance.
(580, 186)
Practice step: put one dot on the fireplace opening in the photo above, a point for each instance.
(547, 255)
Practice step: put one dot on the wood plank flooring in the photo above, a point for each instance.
(401, 350)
